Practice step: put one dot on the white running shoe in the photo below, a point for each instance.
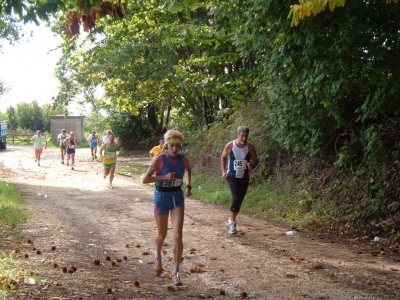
(232, 227)
(176, 279)
(110, 186)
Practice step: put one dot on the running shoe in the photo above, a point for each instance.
(95, 156)
(232, 227)
(67, 163)
(36, 160)
(62, 162)
(38, 164)
(72, 167)
(176, 279)
(157, 267)
(110, 186)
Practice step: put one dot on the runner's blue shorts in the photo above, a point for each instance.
(166, 201)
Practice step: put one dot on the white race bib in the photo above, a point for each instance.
(110, 154)
(239, 164)
(172, 183)
(71, 146)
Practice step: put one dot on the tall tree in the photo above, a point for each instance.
(162, 56)
(11, 118)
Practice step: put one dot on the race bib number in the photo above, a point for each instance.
(110, 154)
(172, 183)
(239, 164)
(71, 146)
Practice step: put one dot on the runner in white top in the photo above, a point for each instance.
(63, 148)
(241, 157)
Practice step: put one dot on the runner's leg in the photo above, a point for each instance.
(162, 228)
(177, 217)
(112, 170)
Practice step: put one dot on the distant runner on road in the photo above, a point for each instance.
(110, 158)
(72, 144)
(63, 148)
(106, 138)
(93, 140)
(38, 141)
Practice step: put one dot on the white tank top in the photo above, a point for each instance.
(237, 160)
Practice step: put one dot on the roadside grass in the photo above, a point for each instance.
(260, 200)
(10, 202)
(265, 200)
(12, 271)
(130, 170)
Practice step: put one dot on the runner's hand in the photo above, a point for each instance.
(170, 176)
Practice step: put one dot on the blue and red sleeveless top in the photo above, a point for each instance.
(166, 165)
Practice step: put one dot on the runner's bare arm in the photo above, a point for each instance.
(224, 158)
(254, 160)
(102, 148)
(188, 175)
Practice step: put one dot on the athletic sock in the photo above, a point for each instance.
(175, 270)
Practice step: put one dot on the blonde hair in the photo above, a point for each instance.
(172, 136)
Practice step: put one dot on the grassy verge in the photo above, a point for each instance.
(10, 202)
(260, 200)
(130, 170)
(11, 270)
(266, 199)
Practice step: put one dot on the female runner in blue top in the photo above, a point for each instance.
(167, 171)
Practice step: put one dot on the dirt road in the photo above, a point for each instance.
(75, 213)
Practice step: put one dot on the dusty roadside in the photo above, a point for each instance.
(76, 219)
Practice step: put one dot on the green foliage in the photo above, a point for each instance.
(159, 61)
(31, 11)
(210, 189)
(9, 29)
(127, 127)
(96, 121)
(3, 88)
(12, 122)
(30, 116)
(207, 145)
(10, 202)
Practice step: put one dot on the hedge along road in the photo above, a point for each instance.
(81, 224)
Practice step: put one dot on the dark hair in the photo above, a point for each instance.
(161, 139)
(244, 129)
